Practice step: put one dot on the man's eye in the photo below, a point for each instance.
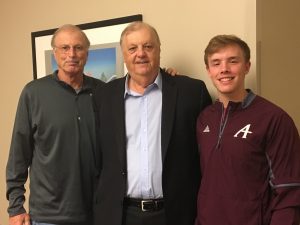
(234, 60)
(148, 47)
(65, 48)
(132, 49)
(215, 64)
(78, 48)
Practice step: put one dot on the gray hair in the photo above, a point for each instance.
(137, 26)
(69, 27)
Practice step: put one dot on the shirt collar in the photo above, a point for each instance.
(157, 82)
(248, 99)
(243, 104)
(86, 85)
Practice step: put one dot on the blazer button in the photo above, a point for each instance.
(124, 173)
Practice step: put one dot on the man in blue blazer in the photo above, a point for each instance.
(148, 155)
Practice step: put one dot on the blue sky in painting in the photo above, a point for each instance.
(101, 63)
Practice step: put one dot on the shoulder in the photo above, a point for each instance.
(192, 86)
(191, 82)
(93, 82)
(267, 107)
(275, 110)
(185, 83)
(278, 124)
(36, 88)
(114, 86)
(39, 84)
(188, 79)
(270, 116)
(182, 79)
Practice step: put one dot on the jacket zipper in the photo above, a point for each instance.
(224, 118)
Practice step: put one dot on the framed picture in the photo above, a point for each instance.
(105, 59)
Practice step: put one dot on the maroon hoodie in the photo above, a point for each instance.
(250, 162)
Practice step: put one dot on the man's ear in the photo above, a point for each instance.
(248, 66)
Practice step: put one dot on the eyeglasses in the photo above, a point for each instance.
(66, 48)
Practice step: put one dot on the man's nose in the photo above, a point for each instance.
(72, 51)
(140, 51)
(224, 67)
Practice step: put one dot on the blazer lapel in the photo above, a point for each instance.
(119, 120)
(169, 94)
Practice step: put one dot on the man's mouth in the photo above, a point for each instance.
(225, 79)
(72, 63)
(141, 62)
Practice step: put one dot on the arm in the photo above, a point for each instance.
(286, 216)
(283, 150)
(206, 98)
(19, 158)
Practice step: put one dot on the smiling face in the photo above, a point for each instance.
(227, 68)
(141, 52)
(70, 52)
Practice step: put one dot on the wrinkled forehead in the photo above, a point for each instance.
(143, 33)
(70, 37)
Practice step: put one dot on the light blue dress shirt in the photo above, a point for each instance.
(143, 132)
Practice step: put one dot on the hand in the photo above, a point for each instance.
(171, 71)
(21, 219)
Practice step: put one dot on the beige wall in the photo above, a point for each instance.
(278, 37)
(184, 27)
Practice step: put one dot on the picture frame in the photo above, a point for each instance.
(105, 60)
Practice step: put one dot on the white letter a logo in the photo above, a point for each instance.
(244, 130)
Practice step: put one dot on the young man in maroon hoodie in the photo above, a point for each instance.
(249, 148)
